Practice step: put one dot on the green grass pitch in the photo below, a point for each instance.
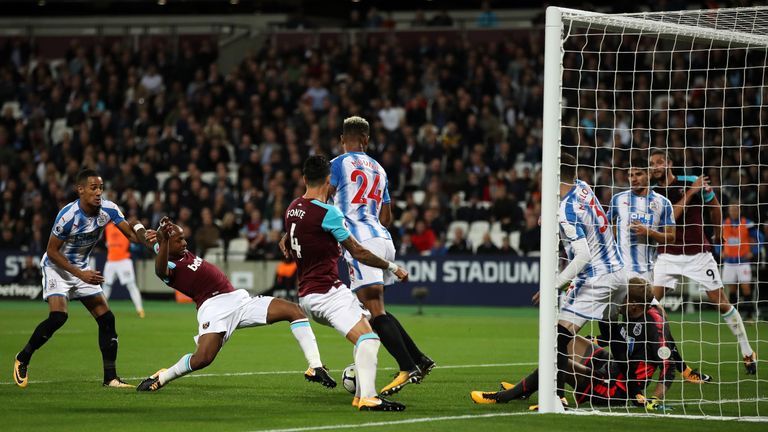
(256, 383)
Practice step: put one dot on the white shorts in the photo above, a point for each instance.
(122, 270)
(227, 312)
(338, 308)
(361, 275)
(57, 282)
(700, 268)
(587, 300)
(734, 273)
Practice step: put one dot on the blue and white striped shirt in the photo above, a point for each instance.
(654, 211)
(581, 216)
(361, 189)
(80, 232)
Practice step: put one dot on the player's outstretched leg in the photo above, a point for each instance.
(281, 310)
(208, 346)
(43, 332)
(733, 318)
(424, 363)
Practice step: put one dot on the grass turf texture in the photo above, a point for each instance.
(65, 390)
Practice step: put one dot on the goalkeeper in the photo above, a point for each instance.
(642, 346)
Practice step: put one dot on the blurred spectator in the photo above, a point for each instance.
(441, 19)
(30, 274)
(487, 247)
(373, 18)
(530, 238)
(406, 247)
(419, 20)
(423, 237)
(255, 230)
(459, 244)
(207, 235)
(506, 211)
(506, 247)
(487, 17)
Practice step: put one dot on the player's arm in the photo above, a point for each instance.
(690, 192)
(661, 237)
(716, 217)
(385, 216)
(333, 223)
(54, 254)
(161, 260)
(572, 230)
(367, 257)
(136, 233)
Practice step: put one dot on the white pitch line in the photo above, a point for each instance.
(396, 422)
(226, 374)
(508, 414)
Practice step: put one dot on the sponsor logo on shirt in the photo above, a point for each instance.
(195, 264)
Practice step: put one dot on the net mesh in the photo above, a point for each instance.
(692, 84)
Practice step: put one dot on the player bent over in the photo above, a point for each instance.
(221, 309)
(641, 347)
(315, 230)
(76, 230)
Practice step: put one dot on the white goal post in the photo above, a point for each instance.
(677, 33)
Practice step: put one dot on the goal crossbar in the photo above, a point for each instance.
(717, 33)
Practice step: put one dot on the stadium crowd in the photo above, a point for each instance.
(456, 125)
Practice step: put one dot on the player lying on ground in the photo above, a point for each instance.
(66, 276)
(640, 347)
(221, 309)
(315, 230)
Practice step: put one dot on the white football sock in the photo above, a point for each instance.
(107, 289)
(133, 290)
(366, 359)
(178, 370)
(303, 333)
(733, 319)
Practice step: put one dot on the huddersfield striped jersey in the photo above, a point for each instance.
(581, 216)
(654, 211)
(80, 232)
(361, 189)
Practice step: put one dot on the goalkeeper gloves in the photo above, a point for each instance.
(651, 404)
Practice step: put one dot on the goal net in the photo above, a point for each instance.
(677, 96)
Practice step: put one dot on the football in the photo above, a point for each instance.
(349, 378)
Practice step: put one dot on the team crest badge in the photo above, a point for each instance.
(206, 325)
(638, 329)
(664, 353)
(101, 220)
(654, 205)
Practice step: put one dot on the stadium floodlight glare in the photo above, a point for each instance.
(692, 83)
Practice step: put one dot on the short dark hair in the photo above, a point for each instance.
(567, 167)
(84, 175)
(639, 291)
(639, 163)
(660, 152)
(356, 126)
(316, 170)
